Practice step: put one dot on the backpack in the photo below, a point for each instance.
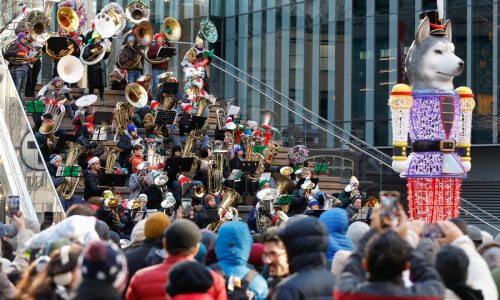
(236, 288)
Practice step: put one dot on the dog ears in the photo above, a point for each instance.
(423, 30)
(447, 30)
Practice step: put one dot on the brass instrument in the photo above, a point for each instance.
(216, 169)
(96, 54)
(111, 20)
(144, 33)
(16, 60)
(124, 113)
(171, 29)
(67, 189)
(266, 117)
(153, 157)
(112, 152)
(56, 55)
(136, 95)
(251, 156)
(208, 31)
(264, 210)
(203, 103)
(372, 202)
(128, 58)
(53, 116)
(307, 186)
(39, 25)
(270, 152)
(70, 69)
(229, 198)
(286, 171)
(198, 191)
(68, 19)
(137, 11)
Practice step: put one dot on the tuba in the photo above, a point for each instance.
(136, 95)
(110, 20)
(70, 69)
(128, 58)
(229, 198)
(264, 210)
(216, 169)
(56, 53)
(68, 19)
(39, 25)
(67, 188)
(203, 103)
(137, 12)
(171, 29)
(112, 152)
(144, 33)
(208, 31)
(95, 55)
(53, 116)
(169, 100)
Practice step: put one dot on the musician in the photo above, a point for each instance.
(35, 67)
(19, 56)
(125, 143)
(84, 114)
(76, 52)
(55, 161)
(118, 79)
(185, 125)
(199, 57)
(134, 74)
(236, 161)
(353, 209)
(208, 213)
(157, 69)
(313, 205)
(149, 119)
(136, 181)
(96, 73)
(91, 147)
(92, 192)
(137, 157)
(56, 89)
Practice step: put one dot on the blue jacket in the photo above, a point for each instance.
(336, 221)
(232, 248)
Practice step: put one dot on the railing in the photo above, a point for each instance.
(479, 214)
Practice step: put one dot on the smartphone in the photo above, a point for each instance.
(13, 205)
(48, 218)
(186, 206)
(432, 231)
(389, 201)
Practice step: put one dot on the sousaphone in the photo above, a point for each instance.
(39, 25)
(208, 31)
(68, 19)
(144, 33)
(172, 29)
(70, 69)
(136, 95)
(137, 12)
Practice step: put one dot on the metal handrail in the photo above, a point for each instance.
(304, 118)
(478, 218)
(383, 155)
(480, 209)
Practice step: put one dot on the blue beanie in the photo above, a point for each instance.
(131, 128)
(313, 202)
(237, 148)
(20, 36)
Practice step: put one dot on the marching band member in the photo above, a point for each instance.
(96, 73)
(157, 69)
(55, 161)
(149, 119)
(137, 157)
(19, 70)
(136, 182)
(199, 57)
(64, 34)
(134, 74)
(83, 115)
(35, 67)
(92, 192)
(127, 141)
(56, 89)
(91, 147)
(118, 79)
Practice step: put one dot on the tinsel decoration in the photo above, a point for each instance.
(297, 155)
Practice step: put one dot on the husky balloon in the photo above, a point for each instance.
(438, 119)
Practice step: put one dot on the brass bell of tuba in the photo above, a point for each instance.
(39, 25)
(171, 29)
(264, 209)
(136, 95)
(208, 31)
(68, 19)
(128, 58)
(266, 117)
(67, 188)
(229, 198)
(70, 69)
(144, 33)
(137, 11)
(54, 114)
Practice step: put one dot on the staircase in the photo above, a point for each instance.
(329, 184)
(481, 205)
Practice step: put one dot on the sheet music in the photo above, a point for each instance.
(233, 110)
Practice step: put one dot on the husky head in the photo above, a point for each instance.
(431, 62)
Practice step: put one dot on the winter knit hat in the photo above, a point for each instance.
(186, 106)
(53, 158)
(261, 183)
(313, 202)
(103, 261)
(158, 35)
(182, 235)
(155, 224)
(20, 36)
(95, 34)
(356, 231)
(189, 277)
(251, 124)
(131, 127)
(256, 253)
(339, 262)
(237, 149)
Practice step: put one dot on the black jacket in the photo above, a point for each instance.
(92, 289)
(53, 171)
(184, 124)
(154, 197)
(125, 143)
(92, 185)
(90, 146)
(206, 215)
(354, 285)
(306, 242)
(136, 257)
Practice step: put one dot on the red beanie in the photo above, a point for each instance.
(154, 103)
(256, 255)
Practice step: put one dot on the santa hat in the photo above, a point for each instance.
(158, 35)
(186, 106)
(230, 124)
(92, 160)
(90, 125)
(154, 103)
(183, 179)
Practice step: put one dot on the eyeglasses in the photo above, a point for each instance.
(266, 257)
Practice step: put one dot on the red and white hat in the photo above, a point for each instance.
(158, 35)
(154, 103)
(183, 179)
(92, 160)
(186, 106)
(230, 124)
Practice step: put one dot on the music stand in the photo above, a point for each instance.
(57, 43)
(36, 106)
(235, 175)
(364, 213)
(166, 52)
(197, 122)
(69, 171)
(99, 135)
(113, 180)
(321, 167)
(186, 163)
(301, 181)
(103, 116)
(165, 117)
(169, 88)
(219, 134)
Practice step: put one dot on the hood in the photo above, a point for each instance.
(335, 220)
(233, 243)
